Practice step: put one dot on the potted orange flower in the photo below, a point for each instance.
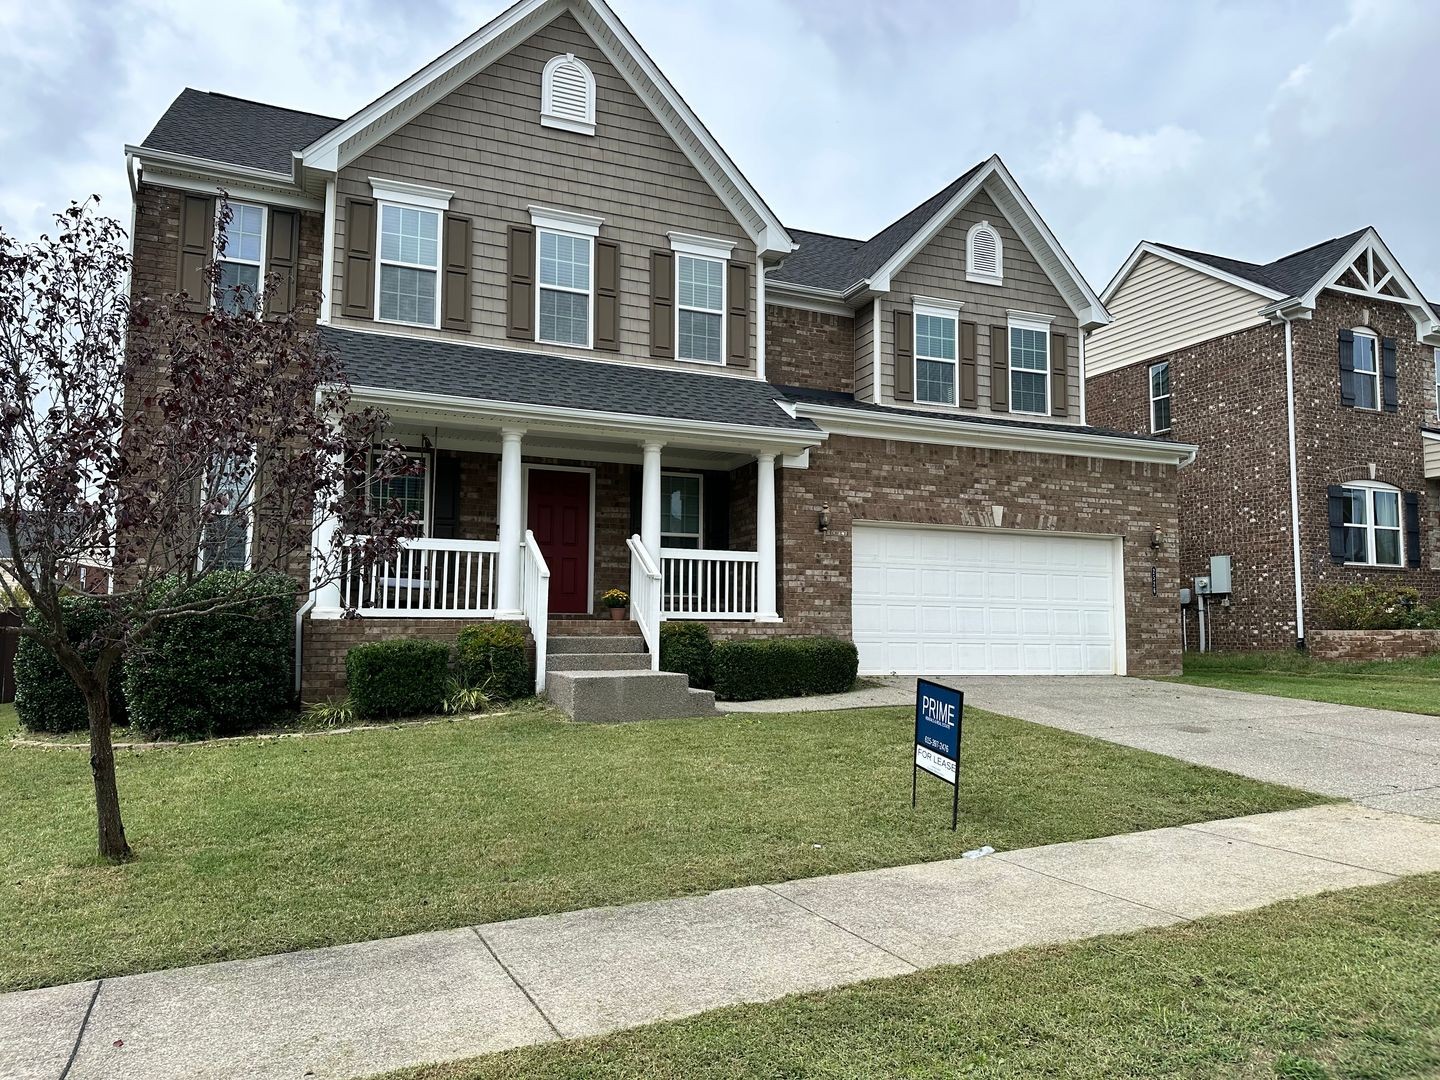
(618, 601)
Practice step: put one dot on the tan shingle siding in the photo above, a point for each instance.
(865, 353)
(485, 142)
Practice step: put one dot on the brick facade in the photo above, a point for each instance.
(809, 348)
(1366, 645)
(1228, 398)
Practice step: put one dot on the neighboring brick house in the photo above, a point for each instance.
(1309, 385)
(591, 328)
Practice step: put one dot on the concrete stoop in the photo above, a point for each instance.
(615, 697)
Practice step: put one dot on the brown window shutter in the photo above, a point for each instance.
(455, 287)
(359, 259)
(662, 304)
(904, 356)
(520, 296)
(1059, 381)
(999, 369)
(1389, 381)
(737, 315)
(282, 249)
(197, 240)
(969, 395)
(607, 295)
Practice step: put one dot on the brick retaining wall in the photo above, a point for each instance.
(1372, 644)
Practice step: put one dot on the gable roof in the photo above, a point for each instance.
(234, 131)
(1290, 275)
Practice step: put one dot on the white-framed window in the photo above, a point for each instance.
(699, 309)
(1374, 531)
(1029, 365)
(682, 510)
(412, 491)
(409, 289)
(241, 258)
(936, 366)
(1160, 397)
(564, 296)
(225, 545)
(1366, 380)
(984, 255)
(567, 95)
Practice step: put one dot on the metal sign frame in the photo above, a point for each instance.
(933, 750)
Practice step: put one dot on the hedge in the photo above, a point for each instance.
(686, 647)
(218, 673)
(400, 677)
(751, 670)
(1373, 607)
(492, 657)
(46, 697)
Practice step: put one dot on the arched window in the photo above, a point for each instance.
(567, 95)
(984, 254)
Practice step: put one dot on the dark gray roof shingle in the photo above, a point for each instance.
(217, 127)
(416, 364)
(1292, 275)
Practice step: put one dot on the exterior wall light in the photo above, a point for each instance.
(1157, 538)
(825, 518)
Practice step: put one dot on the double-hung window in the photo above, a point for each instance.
(229, 484)
(242, 259)
(409, 265)
(700, 308)
(936, 332)
(565, 280)
(681, 496)
(1029, 366)
(1373, 533)
(411, 491)
(1160, 397)
(1366, 379)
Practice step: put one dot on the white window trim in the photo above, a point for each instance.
(722, 311)
(1437, 384)
(1150, 377)
(1019, 320)
(264, 252)
(428, 457)
(1378, 375)
(548, 116)
(700, 533)
(381, 262)
(421, 196)
(250, 525)
(565, 221)
(702, 247)
(981, 277)
(1371, 488)
(589, 292)
(950, 312)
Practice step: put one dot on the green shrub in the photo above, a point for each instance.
(783, 667)
(401, 677)
(491, 656)
(686, 647)
(218, 673)
(1368, 607)
(46, 698)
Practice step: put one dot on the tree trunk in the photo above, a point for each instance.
(102, 768)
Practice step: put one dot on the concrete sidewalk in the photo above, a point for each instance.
(1388, 760)
(362, 1009)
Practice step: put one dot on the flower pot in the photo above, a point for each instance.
(619, 614)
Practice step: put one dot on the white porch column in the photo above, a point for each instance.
(765, 537)
(328, 595)
(512, 524)
(650, 499)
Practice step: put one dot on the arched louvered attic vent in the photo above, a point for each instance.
(984, 254)
(567, 95)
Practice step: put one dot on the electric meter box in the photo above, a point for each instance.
(1220, 575)
(1202, 586)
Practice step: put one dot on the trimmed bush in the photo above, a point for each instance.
(491, 656)
(401, 677)
(751, 670)
(220, 673)
(46, 698)
(1370, 607)
(686, 647)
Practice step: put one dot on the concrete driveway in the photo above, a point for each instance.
(1388, 760)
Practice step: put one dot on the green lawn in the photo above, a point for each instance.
(1343, 985)
(256, 847)
(1404, 685)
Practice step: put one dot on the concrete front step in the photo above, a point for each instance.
(614, 697)
(598, 661)
(600, 643)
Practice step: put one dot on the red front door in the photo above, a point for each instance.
(559, 516)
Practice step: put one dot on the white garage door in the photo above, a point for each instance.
(971, 602)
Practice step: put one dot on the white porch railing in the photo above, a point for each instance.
(645, 597)
(535, 601)
(427, 578)
(709, 584)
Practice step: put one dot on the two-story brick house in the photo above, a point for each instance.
(617, 364)
(1309, 385)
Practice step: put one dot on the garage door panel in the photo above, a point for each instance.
(976, 602)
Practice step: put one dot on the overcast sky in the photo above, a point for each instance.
(1245, 128)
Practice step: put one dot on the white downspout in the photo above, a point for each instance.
(327, 253)
(1294, 487)
(305, 609)
(1083, 335)
(760, 317)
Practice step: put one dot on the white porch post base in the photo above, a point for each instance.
(765, 539)
(511, 519)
